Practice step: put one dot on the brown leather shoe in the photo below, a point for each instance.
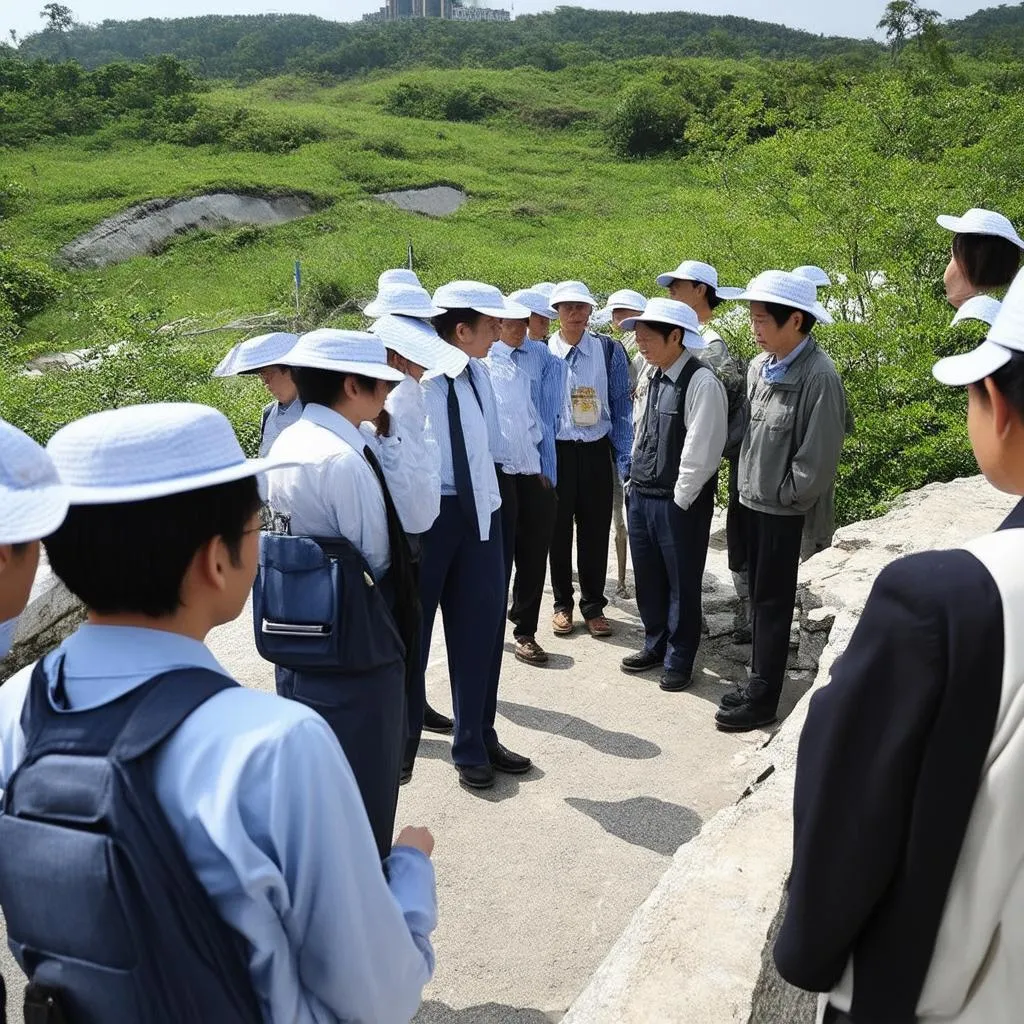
(561, 623)
(528, 650)
(599, 626)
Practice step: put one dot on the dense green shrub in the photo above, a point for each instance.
(437, 102)
(646, 122)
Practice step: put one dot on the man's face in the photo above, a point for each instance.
(770, 337)
(538, 326)
(476, 339)
(685, 291)
(17, 571)
(574, 314)
(657, 350)
(958, 288)
(513, 332)
(618, 315)
(278, 381)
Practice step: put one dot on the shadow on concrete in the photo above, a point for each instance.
(555, 662)
(432, 1012)
(617, 744)
(434, 750)
(643, 821)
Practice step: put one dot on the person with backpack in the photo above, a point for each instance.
(596, 425)
(906, 895)
(177, 847)
(262, 356)
(672, 486)
(696, 284)
(789, 458)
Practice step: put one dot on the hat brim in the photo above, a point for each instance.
(31, 514)
(376, 309)
(585, 300)
(728, 294)
(690, 338)
(379, 370)
(180, 485)
(510, 311)
(450, 361)
(817, 310)
(608, 310)
(971, 367)
(954, 224)
(961, 226)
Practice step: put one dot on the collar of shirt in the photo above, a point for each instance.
(337, 425)
(499, 348)
(775, 369)
(101, 663)
(677, 367)
(563, 348)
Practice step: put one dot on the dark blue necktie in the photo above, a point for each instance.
(460, 459)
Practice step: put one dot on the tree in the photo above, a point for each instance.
(906, 19)
(58, 17)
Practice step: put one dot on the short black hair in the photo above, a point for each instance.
(665, 330)
(712, 296)
(290, 370)
(780, 314)
(449, 320)
(325, 387)
(1009, 382)
(987, 261)
(132, 557)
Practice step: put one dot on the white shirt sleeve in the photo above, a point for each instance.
(706, 416)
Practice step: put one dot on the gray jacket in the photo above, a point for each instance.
(791, 452)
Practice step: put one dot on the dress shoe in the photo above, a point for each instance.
(733, 698)
(505, 760)
(529, 651)
(676, 682)
(406, 774)
(599, 626)
(476, 776)
(642, 661)
(434, 721)
(561, 623)
(745, 717)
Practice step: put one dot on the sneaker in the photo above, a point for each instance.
(561, 623)
(746, 717)
(529, 651)
(599, 626)
(642, 661)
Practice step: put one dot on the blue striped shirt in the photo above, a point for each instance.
(586, 369)
(547, 389)
(520, 425)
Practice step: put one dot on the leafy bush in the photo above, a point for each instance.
(387, 146)
(454, 102)
(645, 123)
(27, 284)
(240, 128)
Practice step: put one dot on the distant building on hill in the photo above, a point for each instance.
(450, 10)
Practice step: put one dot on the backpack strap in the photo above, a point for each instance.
(169, 699)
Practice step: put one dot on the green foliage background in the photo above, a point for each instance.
(607, 170)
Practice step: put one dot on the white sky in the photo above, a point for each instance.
(856, 19)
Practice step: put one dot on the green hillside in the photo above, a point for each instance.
(993, 31)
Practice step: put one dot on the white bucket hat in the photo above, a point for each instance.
(419, 342)
(571, 291)
(978, 307)
(787, 290)
(1004, 338)
(676, 314)
(256, 354)
(624, 298)
(534, 301)
(815, 275)
(401, 275)
(545, 288)
(981, 222)
(33, 501)
(479, 297)
(343, 352)
(140, 452)
(403, 300)
(690, 270)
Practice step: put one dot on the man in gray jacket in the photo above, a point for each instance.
(788, 461)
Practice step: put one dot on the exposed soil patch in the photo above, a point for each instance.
(146, 228)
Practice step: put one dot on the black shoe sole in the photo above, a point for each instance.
(636, 670)
(746, 726)
(467, 784)
(511, 771)
(441, 730)
(675, 687)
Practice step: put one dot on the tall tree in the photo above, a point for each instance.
(904, 20)
(58, 17)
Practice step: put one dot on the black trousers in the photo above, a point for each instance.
(584, 499)
(736, 528)
(774, 563)
(533, 526)
(670, 549)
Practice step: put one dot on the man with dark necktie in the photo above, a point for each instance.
(463, 570)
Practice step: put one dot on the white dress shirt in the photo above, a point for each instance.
(276, 417)
(586, 369)
(706, 418)
(268, 814)
(518, 420)
(418, 454)
(486, 496)
(335, 492)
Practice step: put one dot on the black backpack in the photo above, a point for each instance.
(733, 375)
(104, 913)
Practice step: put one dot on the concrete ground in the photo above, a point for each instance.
(538, 877)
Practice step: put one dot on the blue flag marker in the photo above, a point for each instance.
(298, 274)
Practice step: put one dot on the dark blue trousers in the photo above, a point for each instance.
(465, 577)
(669, 549)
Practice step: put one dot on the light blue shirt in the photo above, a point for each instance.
(585, 363)
(269, 816)
(547, 388)
(773, 370)
(520, 424)
(476, 433)
(275, 418)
